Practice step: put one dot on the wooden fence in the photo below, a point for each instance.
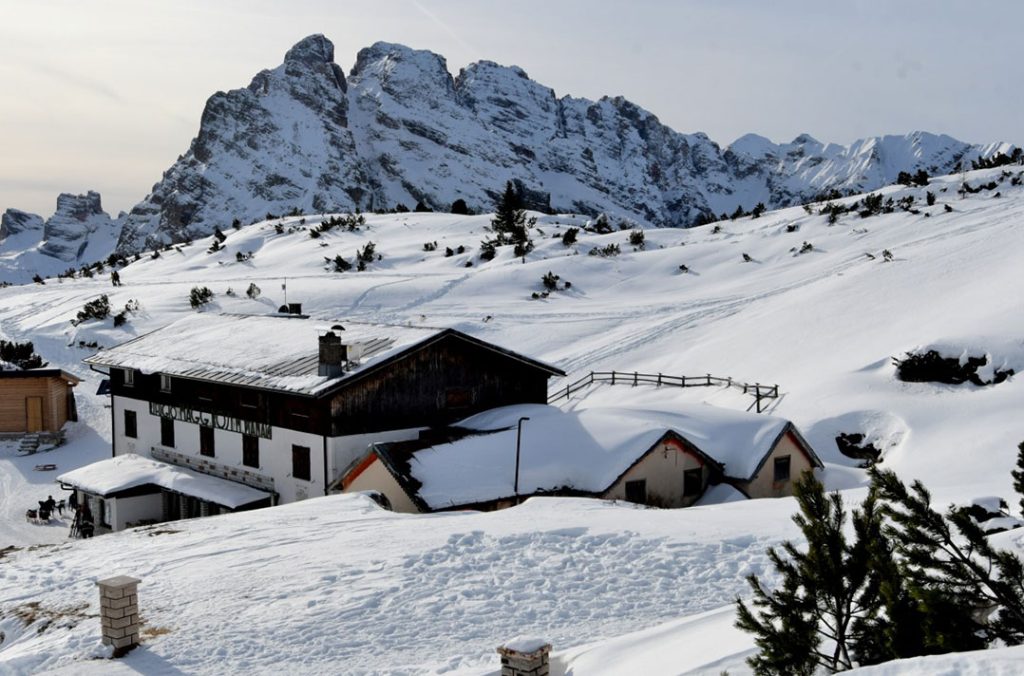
(633, 378)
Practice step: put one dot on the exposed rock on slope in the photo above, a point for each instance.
(15, 221)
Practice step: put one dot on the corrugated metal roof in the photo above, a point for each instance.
(267, 351)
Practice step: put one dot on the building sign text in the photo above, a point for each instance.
(207, 419)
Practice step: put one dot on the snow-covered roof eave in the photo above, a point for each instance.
(108, 477)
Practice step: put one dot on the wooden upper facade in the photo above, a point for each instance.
(442, 378)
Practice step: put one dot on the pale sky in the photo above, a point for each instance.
(105, 95)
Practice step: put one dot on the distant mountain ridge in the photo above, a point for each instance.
(400, 129)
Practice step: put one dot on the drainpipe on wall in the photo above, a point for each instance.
(325, 465)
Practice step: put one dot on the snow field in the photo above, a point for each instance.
(393, 594)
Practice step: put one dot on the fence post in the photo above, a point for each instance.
(636, 380)
(613, 377)
(709, 379)
(683, 378)
(567, 386)
(659, 379)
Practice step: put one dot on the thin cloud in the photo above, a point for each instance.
(76, 80)
(445, 27)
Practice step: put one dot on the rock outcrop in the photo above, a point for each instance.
(16, 221)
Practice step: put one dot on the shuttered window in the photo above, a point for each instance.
(250, 451)
(300, 462)
(206, 441)
(131, 424)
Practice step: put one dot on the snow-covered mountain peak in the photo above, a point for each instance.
(312, 49)
(401, 130)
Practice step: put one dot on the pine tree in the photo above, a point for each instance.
(1018, 474)
(948, 558)
(824, 590)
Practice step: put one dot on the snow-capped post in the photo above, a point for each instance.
(119, 612)
(525, 657)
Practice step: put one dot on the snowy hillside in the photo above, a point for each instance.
(380, 592)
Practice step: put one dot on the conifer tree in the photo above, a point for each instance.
(1018, 475)
(510, 223)
(948, 558)
(825, 589)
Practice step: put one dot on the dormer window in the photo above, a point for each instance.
(129, 377)
(165, 382)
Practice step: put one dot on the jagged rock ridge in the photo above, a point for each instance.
(79, 231)
(401, 129)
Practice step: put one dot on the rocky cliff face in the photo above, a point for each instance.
(78, 223)
(16, 221)
(402, 129)
(79, 231)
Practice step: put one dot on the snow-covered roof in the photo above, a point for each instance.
(585, 450)
(278, 352)
(123, 472)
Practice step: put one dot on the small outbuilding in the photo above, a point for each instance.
(130, 490)
(36, 400)
(661, 458)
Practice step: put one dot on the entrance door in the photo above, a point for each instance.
(34, 414)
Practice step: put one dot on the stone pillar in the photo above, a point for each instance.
(525, 657)
(119, 612)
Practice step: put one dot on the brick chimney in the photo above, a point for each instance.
(332, 354)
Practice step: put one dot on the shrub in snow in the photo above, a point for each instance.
(886, 255)
(747, 258)
(855, 445)
(605, 251)
(253, 291)
(600, 225)
(98, 308)
(758, 210)
(932, 367)
(683, 268)
(792, 227)
(219, 235)
(236, 224)
(459, 207)
(339, 263)
(637, 238)
(550, 281)
(422, 208)
(401, 208)
(21, 355)
(430, 246)
(569, 236)
(738, 213)
(366, 254)
(487, 250)
(199, 296)
(929, 198)
(806, 248)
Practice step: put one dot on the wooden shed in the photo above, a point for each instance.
(37, 400)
